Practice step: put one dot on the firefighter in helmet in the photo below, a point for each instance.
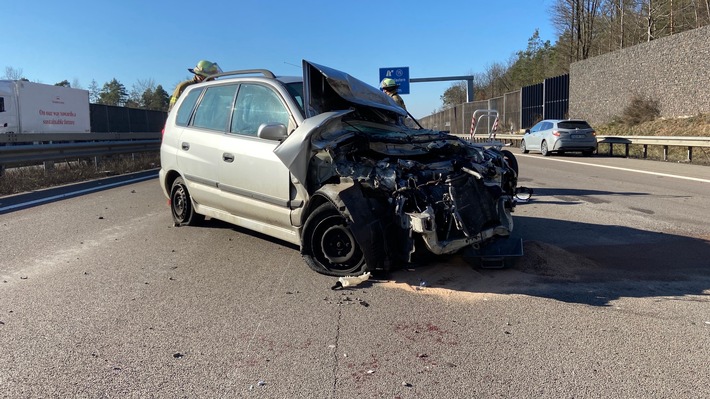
(202, 70)
(390, 87)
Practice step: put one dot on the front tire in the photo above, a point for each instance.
(329, 246)
(523, 149)
(511, 160)
(544, 150)
(181, 205)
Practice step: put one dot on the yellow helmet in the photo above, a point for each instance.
(205, 68)
(388, 83)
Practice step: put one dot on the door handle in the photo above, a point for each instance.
(227, 157)
(185, 146)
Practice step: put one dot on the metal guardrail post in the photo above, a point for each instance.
(48, 166)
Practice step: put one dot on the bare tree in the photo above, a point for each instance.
(12, 73)
(135, 96)
(575, 20)
(454, 95)
(94, 91)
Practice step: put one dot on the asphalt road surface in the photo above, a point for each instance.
(100, 296)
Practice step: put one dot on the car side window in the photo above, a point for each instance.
(536, 127)
(188, 104)
(546, 126)
(257, 104)
(215, 107)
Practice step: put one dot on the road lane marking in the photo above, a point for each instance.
(74, 193)
(619, 168)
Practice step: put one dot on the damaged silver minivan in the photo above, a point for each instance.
(327, 162)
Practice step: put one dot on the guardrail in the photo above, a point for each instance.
(626, 141)
(30, 148)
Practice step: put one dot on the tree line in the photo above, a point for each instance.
(584, 28)
(144, 94)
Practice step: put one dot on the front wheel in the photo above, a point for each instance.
(181, 205)
(329, 247)
(544, 150)
(511, 160)
(523, 149)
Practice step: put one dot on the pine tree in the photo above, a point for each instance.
(113, 93)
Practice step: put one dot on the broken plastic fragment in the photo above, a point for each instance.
(351, 281)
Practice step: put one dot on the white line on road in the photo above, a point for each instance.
(618, 168)
(75, 193)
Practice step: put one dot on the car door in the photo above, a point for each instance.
(532, 139)
(199, 145)
(256, 186)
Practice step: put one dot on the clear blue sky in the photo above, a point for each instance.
(87, 40)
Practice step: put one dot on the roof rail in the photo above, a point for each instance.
(265, 72)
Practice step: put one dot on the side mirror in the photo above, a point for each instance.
(527, 131)
(272, 131)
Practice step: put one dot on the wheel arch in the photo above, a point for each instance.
(170, 177)
(365, 218)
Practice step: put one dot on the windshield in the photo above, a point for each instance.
(295, 89)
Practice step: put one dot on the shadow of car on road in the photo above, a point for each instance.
(613, 262)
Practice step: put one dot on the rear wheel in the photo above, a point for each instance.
(544, 150)
(329, 247)
(181, 205)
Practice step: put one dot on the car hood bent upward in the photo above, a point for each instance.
(393, 182)
(329, 95)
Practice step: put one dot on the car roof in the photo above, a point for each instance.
(325, 89)
(564, 120)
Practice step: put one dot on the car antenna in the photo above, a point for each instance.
(288, 63)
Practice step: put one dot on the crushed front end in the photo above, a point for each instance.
(377, 192)
(435, 193)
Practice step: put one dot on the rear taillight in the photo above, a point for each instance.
(556, 133)
(594, 133)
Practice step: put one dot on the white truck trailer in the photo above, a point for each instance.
(27, 107)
